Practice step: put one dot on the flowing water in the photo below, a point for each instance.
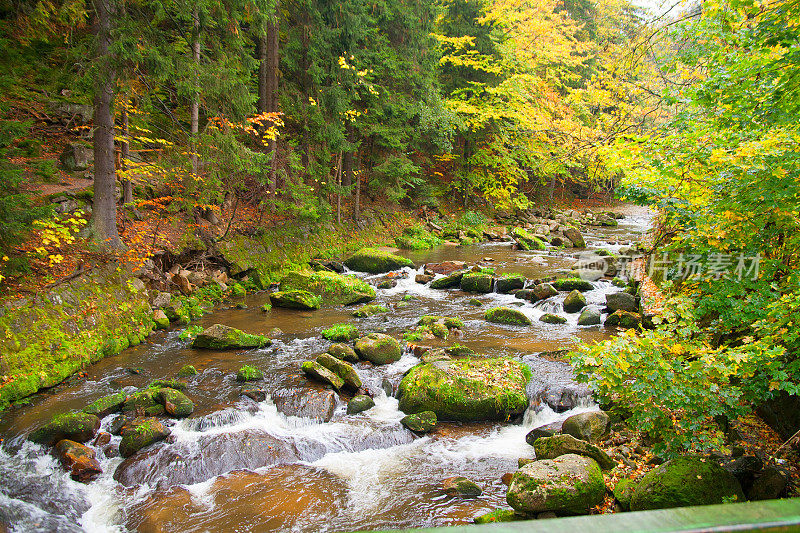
(241, 465)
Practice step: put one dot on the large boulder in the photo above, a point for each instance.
(449, 281)
(295, 299)
(572, 284)
(575, 237)
(507, 315)
(376, 261)
(590, 316)
(379, 349)
(686, 481)
(621, 301)
(343, 352)
(543, 291)
(477, 282)
(526, 240)
(334, 288)
(591, 426)
(221, 337)
(139, 433)
(341, 369)
(624, 319)
(509, 282)
(175, 402)
(558, 445)
(574, 302)
(78, 459)
(316, 371)
(77, 426)
(106, 405)
(76, 156)
(466, 389)
(570, 484)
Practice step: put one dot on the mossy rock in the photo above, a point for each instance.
(550, 318)
(623, 492)
(316, 371)
(343, 352)
(359, 404)
(686, 481)
(624, 319)
(333, 288)
(572, 284)
(449, 322)
(461, 486)
(160, 319)
(144, 402)
(542, 291)
(499, 515)
(341, 332)
(76, 426)
(459, 350)
(590, 316)
(168, 383)
(221, 337)
(376, 261)
(466, 389)
(369, 310)
(187, 371)
(526, 240)
(591, 426)
(249, 373)
(570, 484)
(295, 299)
(558, 445)
(509, 282)
(507, 315)
(423, 422)
(106, 405)
(140, 433)
(379, 349)
(175, 403)
(475, 302)
(341, 369)
(450, 281)
(574, 302)
(477, 282)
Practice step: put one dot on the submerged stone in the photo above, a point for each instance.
(461, 486)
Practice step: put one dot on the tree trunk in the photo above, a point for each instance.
(271, 95)
(262, 75)
(125, 149)
(195, 108)
(339, 188)
(347, 164)
(104, 206)
(357, 204)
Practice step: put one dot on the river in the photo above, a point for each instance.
(241, 465)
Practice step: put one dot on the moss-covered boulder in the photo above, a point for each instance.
(466, 389)
(295, 299)
(175, 403)
(499, 515)
(550, 318)
(341, 332)
(558, 445)
(369, 310)
(507, 315)
(623, 492)
(461, 486)
(420, 422)
(575, 237)
(144, 403)
(343, 352)
(510, 282)
(574, 302)
(341, 369)
(160, 319)
(221, 337)
(572, 284)
(333, 288)
(543, 291)
(685, 481)
(76, 426)
(79, 460)
(526, 240)
(450, 322)
(450, 281)
(379, 349)
(187, 371)
(320, 373)
(621, 301)
(376, 261)
(106, 405)
(591, 426)
(570, 484)
(359, 404)
(624, 319)
(139, 433)
(249, 373)
(477, 282)
(590, 316)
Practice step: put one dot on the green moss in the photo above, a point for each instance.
(417, 238)
(333, 288)
(369, 310)
(550, 318)
(295, 299)
(221, 337)
(498, 515)
(450, 322)
(509, 282)
(507, 315)
(448, 282)
(572, 284)
(106, 405)
(623, 491)
(249, 373)
(526, 240)
(476, 282)
(376, 261)
(341, 332)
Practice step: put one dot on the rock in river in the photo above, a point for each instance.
(221, 337)
(378, 348)
(140, 433)
(570, 484)
(420, 422)
(574, 302)
(78, 427)
(78, 459)
(333, 288)
(295, 299)
(376, 261)
(466, 389)
(507, 315)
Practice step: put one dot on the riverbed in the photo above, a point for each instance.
(241, 465)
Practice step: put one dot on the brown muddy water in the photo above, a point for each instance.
(240, 465)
